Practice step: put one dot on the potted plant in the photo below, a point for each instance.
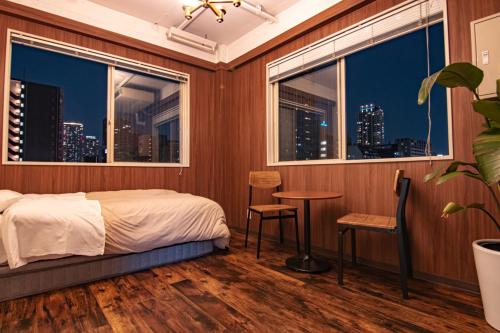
(485, 169)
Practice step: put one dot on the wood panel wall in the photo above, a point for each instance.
(439, 248)
(197, 179)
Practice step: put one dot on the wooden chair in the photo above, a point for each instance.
(393, 225)
(269, 180)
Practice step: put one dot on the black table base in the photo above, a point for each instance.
(307, 264)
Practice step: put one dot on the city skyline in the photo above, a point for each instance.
(84, 83)
(389, 75)
(370, 140)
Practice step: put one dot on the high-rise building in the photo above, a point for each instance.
(73, 142)
(370, 126)
(35, 122)
(91, 149)
(307, 126)
(408, 147)
(140, 132)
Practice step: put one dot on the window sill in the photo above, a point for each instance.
(367, 161)
(114, 164)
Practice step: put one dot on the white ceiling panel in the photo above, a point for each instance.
(168, 13)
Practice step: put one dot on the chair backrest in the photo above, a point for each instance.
(264, 179)
(398, 175)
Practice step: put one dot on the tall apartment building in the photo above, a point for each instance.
(35, 122)
(73, 142)
(370, 126)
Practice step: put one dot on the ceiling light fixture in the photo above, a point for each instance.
(211, 4)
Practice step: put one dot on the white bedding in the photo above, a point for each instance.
(48, 226)
(38, 227)
(3, 256)
(142, 220)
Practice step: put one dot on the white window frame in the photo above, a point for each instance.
(272, 99)
(112, 61)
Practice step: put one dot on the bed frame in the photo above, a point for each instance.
(42, 276)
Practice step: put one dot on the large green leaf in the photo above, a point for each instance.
(449, 175)
(452, 167)
(486, 148)
(430, 176)
(489, 109)
(453, 207)
(460, 74)
(425, 88)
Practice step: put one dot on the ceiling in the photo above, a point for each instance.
(168, 13)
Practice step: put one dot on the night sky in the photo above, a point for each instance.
(389, 75)
(84, 83)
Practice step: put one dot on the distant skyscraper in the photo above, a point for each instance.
(73, 142)
(35, 122)
(407, 147)
(370, 125)
(307, 125)
(91, 149)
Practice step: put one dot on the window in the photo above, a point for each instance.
(353, 95)
(70, 105)
(58, 105)
(308, 119)
(381, 82)
(146, 118)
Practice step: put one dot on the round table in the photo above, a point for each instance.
(306, 262)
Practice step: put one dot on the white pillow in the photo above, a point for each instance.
(7, 198)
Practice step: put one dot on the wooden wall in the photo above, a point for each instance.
(198, 178)
(441, 249)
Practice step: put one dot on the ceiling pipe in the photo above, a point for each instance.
(186, 22)
(192, 40)
(259, 11)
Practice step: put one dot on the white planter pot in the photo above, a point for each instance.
(488, 273)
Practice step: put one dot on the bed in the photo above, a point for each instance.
(54, 241)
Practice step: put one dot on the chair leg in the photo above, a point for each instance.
(297, 238)
(353, 246)
(403, 265)
(260, 236)
(408, 253)
(248, 225)
(340, 268)
(281, 229)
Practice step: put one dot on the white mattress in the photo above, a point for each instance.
(142, 220)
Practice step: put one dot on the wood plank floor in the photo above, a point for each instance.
(234, 292)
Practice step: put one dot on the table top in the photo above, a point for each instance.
(307, 195)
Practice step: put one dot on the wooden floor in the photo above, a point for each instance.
(234, 292)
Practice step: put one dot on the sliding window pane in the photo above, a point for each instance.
(382, 82)
(147, 127)
(308, 123)
(57, 107)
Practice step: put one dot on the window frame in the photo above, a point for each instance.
(112, 62)
(272, 101)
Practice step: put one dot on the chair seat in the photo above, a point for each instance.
(271, 208)
(365, 220)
